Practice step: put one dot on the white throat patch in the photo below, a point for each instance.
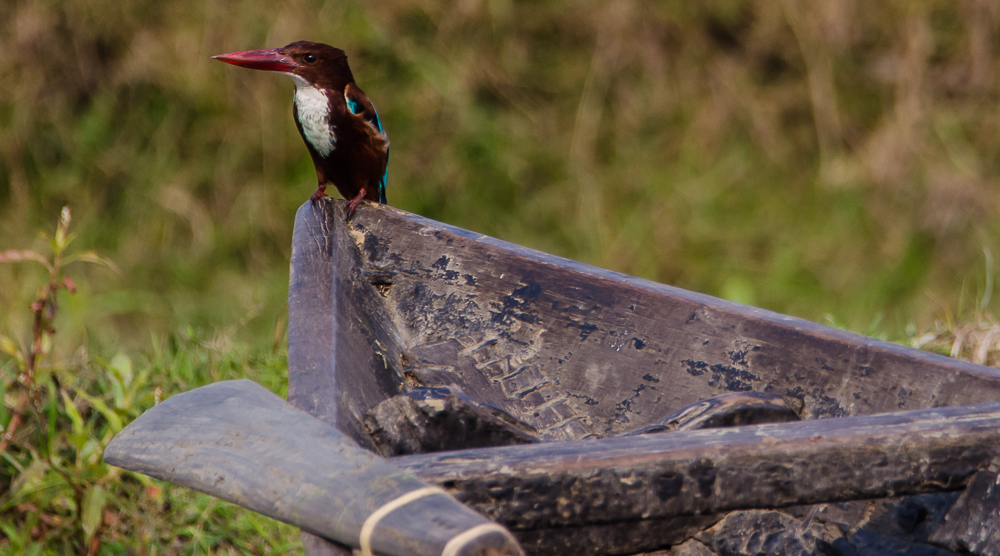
(313, 111)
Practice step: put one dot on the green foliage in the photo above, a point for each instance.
(836, 160)
(58, 415)
(813, 159)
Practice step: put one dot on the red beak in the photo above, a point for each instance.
(270, 60)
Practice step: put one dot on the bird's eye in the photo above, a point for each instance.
(309, 58)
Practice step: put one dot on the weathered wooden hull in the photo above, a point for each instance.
(573, 350)
(390, 301)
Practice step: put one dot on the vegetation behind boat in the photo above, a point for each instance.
(698, 145)
(834, 163)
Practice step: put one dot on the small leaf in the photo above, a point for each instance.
(30, 479)
(121, 377)
(117, 390)
(10, 348)
(68, 283)
(114, 421)
(13, 533)
(20, 256)
(154, 491)
(93, 509)
(79, 432)
(92, 257)
(90, 452)
(133, 390)
(122, 365)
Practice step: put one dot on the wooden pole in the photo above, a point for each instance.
(561, 484)
(239, 442)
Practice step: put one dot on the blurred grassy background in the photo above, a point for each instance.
(835, 160)
(832, 160)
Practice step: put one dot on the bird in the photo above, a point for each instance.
(335, 118)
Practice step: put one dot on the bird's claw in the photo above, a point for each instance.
(351, 207)
(319, 194)
(353, 203)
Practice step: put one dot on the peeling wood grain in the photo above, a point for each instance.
(579, 352)
(439, 419)
(613, 538)
(343, 351)
(559, 484)
(973, 524)
(728, 410)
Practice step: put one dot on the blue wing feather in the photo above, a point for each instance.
(381, 184)
(357, 107)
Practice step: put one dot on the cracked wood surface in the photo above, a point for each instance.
(390, 301)
(241, 443)
(340, 338)
(569, 349)
(656, 476)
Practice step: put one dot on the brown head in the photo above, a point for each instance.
(321, 65)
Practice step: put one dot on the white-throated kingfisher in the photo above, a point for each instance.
(335, 118)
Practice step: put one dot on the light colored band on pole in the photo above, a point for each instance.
(365, 542)
(459, 541)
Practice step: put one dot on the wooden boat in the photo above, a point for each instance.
(433, 345)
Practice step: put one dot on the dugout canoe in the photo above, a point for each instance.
(581, 408)
(389, 301)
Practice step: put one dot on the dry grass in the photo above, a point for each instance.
(978, 342)
(832, 158)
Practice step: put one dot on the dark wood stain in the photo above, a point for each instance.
(571, 350)
(389, 301)
(714, 470)
(342, 344)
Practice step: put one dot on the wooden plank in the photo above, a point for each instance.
(343, 350)
(728, 410)
(239, 442)
(973, 524)
(439, 419)
(560, 484)
(613, 538)
(578, 352)
(768, 532)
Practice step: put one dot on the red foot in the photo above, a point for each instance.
(319, 194)
(353, 203)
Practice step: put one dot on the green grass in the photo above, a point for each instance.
(832, 162)
(58, 415)
(59, 454)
